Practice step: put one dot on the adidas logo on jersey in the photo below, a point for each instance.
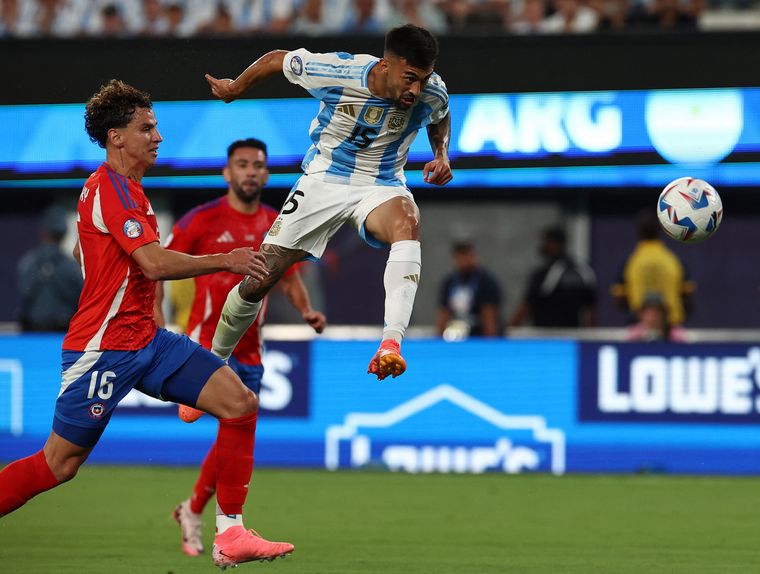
(225, 237)
(413, 278)
(347, 109)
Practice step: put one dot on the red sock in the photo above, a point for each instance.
(24, 479)
(234, 462)
(205, 486)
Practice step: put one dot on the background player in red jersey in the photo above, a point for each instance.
(238, 219)
(113, 344)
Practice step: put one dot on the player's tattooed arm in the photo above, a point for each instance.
(438, 171)
(229, 90)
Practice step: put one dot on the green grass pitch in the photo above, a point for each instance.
(117, 520)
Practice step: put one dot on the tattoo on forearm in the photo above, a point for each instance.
(278, 261)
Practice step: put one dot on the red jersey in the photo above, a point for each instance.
(116, 305)
(216, 227)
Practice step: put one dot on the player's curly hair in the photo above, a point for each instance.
(112, 107)
(416, 45)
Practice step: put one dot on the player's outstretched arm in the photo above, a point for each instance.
(158, 263)
(229, 90)
(298, 296)
(438, 171)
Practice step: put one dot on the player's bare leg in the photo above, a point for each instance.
(236, 406)
(396, 222)
(244, 301)
(56, 463)
(242, 307)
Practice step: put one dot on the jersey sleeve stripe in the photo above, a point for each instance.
(365, 72)
(333, 66)
(320, 74)
(440, 94)
(117, 188)
(125, 188)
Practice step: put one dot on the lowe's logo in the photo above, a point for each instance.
(517, 443)
(679, 383)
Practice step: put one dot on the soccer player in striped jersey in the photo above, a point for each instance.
(370, 112)
(113, 344)
(237, 219)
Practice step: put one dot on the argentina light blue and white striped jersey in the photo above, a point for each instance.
(358, 138)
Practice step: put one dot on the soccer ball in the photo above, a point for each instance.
(689, 210)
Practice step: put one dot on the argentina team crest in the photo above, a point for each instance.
(396, 122)
(373, 115)
(132, 228)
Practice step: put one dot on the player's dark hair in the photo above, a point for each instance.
(112, 107)
(248, 142)
(416, 45)
(556, 235)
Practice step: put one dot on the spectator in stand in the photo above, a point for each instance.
(423, 13)
(561, 292)
(58, 18)
(221, 23)
(470, 296)
(652, 269)
(10, 15)
(530, 18)
(154, 19)
(570, 17)
(480, 16)
(264, 16)
(667, 15)
(653, 324)
(364, 17)
(49, 280)
(113, 23)
(310, 19)
(178, 25)
(613, 14)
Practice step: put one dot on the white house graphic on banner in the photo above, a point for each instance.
(503, 454)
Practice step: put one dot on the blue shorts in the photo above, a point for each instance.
(249, 374)
(171, 367)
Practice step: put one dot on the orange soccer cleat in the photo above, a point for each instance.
(189, 414)
(237, 545)
(387, 360)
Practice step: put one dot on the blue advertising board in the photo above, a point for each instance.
(474, 406)
(609, 138)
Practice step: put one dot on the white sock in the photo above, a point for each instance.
(225, 521)
(402, 275)
(237, 315)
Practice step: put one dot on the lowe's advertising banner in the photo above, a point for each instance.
(469, 407)
(610, 138)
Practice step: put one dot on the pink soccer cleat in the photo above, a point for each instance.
(237, 545)
(190, 524)
(387, 360)
(189, 414)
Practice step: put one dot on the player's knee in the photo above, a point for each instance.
(66, 469)
(246, 402)
(407, 227)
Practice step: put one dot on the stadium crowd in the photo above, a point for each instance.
(186, 18)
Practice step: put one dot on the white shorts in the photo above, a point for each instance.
(315, 210)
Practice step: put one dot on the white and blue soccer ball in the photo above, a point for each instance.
(689, 209)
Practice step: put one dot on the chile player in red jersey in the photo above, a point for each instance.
(114, 345)
(238, 219)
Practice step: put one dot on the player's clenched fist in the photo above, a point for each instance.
(246, 261)
(222, 89)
